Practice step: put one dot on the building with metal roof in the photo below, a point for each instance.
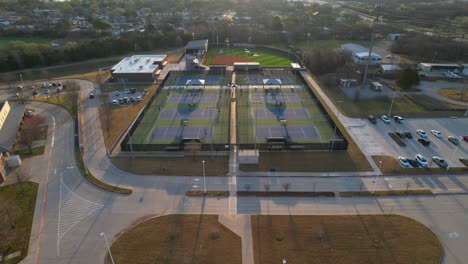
(139, 68)
(360, 54)
(196, 47)
(11, 117)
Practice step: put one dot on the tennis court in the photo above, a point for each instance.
(274, 112)
(178, 133)
(203, 113)
(193, 98)
(295, 132)
(287, 113)
(273, 98)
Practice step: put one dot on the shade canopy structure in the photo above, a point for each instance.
(272, 82)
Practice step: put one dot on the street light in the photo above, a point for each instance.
(307, 48)
(21, 77)
(391, 104)
(377, 176)
(108, 248)
(204, 178)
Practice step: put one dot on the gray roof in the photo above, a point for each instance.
(197, 44)
(11, 126)
(356, 48)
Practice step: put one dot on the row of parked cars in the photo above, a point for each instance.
(420, 161)
(386, 119)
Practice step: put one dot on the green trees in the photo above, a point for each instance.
(408, 77)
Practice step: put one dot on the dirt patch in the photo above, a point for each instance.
(343, 239)
(178, 239)
(228, 60)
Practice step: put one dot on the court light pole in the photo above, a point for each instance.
(377, 176)
(22, 82)
(108, 248)
(379, 8)
(204, 177)
(307, 48)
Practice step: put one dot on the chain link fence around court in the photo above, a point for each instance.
(183, 116)
(276, 111)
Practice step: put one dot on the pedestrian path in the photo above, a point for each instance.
(242, 226)
(72, 209)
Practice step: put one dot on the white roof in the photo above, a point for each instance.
(138, 64)
(390, 67)
(366, 54)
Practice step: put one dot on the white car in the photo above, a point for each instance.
(385, 119)
(436, 133)
(114, 102)
(404, 162)
(390, 56)
(138, 99)
(421, 133)
(422, 160)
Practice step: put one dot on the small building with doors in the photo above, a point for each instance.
(360, 54)
(11, 118)
(428, 67)
(196, 47)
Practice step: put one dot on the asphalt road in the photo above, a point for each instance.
(69, 219)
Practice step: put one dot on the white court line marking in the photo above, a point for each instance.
(72, 209)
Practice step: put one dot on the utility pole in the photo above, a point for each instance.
(379, 9)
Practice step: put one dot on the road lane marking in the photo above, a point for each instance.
(72, 209)
(44, 197)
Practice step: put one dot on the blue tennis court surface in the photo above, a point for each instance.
(179, 132)
(193, 98)
(259, 79)
(209, 80)
(200, 113)
(265, 113)
(272, 98)
(294, 132)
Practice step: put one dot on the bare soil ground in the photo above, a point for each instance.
(177, 239)
(343, 239)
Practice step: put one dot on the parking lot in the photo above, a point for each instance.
(120, 95)
(374, 139)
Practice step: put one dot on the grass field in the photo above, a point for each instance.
(247, 123)
(215, 165)
(17, 203)
(266, 58)
(177, 239)
(343, 239)
(338, 161)
(455, 94)
(6, 40)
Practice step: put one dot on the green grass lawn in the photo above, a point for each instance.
(25, 153)
(6, 40)
(17, 204)
(266, 58)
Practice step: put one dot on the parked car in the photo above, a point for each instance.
(398, 119)
(440, 161)
(421, 133)
(408, 134)
(414, 163)
(422, 160)
(132, 99)
(400, 133)
(385, 119)
(133, 90)
(34, 93)
(117, 93)
(127, 91)
(125, 99)
(424, 141)
(43, 85)
(404, 162)
(138, 99)
(54, 85)
(91, 96)
(114, 102)
(59, 84)
(58, 90)
(390, 56)
(121, 101)
(454, 140)
(436, 133)
(372, 119)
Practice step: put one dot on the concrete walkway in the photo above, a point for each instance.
(242, 226)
